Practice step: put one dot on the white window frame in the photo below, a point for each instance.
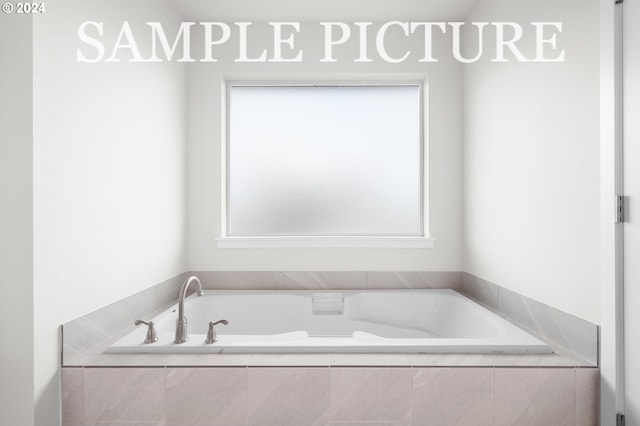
(424, 240)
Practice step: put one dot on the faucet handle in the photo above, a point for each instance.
(212, 337)
(151, 331)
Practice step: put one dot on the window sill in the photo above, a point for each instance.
(325, 242)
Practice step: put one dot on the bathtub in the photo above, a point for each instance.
(354, 321)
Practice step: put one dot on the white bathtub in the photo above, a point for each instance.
(408, 321)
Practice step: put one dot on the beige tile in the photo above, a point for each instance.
(453, 396)
(420, 280)
(123, 394)
(481, 290)
(295, 396)
(451, 360)
(398, 423)
(370, 394)
(166, 293)
(90, 330)
(206, 396)
(330, 280)
(208, 360)
(72, 396)
(134, 423)
(240, 280)
(587, 396)
(535, 396)
(128, 360)
(374, 360)
(564, 331)
(290, 360)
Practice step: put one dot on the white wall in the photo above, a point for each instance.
(16, 219)
(531, 161)
(109, 186)
(205, 141)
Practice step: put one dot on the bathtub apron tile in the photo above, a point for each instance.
(404, 422)
(587, 396)
(206, 396)
(535, 396)
(72, 396)
(296, 396)
(209, 360)
(453, 396)
(134, 423)
(371, 394)
(290, 360)
(123, 395)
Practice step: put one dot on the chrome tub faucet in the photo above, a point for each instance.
(181, 322)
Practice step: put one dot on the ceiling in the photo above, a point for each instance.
(330, 10)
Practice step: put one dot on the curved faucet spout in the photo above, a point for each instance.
(181, 322)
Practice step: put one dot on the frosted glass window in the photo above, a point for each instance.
(334, 160)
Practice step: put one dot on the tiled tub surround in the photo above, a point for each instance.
(576, 340)
(319, 389)
(564, 332)
(86, 335)
(298, 396)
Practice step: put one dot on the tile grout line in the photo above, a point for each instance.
(246, 412)
(164, 395)
(575, 395)
(82, 397)
(494, 396)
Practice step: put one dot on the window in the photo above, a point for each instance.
(324, 160)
